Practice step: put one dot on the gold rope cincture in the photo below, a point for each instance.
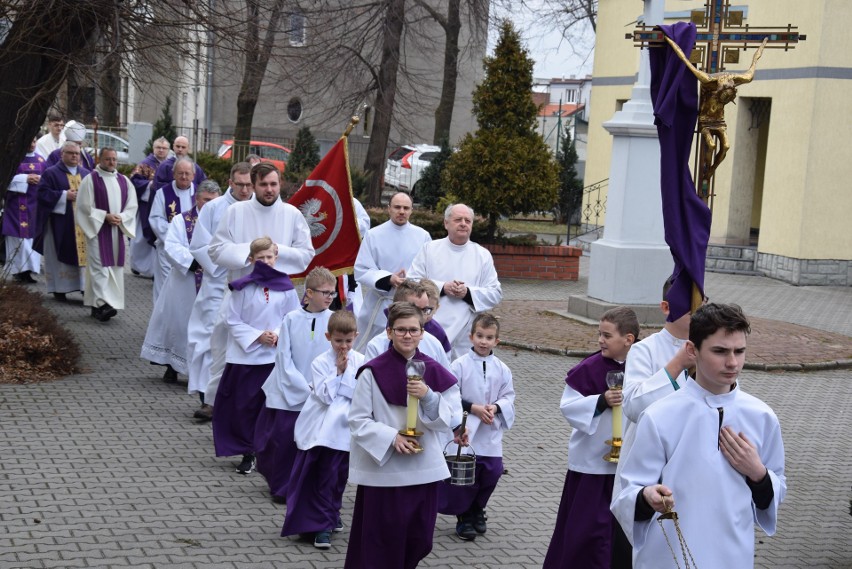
(672, 515)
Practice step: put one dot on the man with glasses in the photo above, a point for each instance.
(204, 339)
(385, 254)
(57, 237)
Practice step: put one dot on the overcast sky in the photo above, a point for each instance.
(554, 56)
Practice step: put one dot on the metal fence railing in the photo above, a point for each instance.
(592, 212)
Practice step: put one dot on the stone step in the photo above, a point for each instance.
(730, 265)
(743, 252)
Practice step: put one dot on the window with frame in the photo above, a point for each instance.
(296, 31)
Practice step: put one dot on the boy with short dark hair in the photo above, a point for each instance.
(488, 396)
(711, 452)
(321, 467)
(584, 525)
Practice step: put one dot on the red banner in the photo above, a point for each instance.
(325, 199)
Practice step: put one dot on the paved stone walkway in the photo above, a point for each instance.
(107, 469)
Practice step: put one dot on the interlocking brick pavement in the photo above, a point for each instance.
(107, 468)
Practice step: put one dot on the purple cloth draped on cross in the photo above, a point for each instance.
(686, 218)
(105, 234)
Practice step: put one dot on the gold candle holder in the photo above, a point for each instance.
(615, 382)
(414, 371)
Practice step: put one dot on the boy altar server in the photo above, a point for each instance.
(710, 452)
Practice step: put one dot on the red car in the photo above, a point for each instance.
(268, 151)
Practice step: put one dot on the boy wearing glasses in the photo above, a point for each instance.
(396, 503)
(287, 388)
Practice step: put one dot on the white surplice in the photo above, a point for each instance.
(442, 261)
(105, 284)
(302, 340)
(208, 301)
(159, 221)
(324, 419)
(677, 444)
(385, 250)
(165, 340)
(252, 311)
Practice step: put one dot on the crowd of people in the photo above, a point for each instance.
(314, 391)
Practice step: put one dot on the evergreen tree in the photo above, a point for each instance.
(163, 127)
(429, 190)
(505, 167)
(570, 185)
(305, 155)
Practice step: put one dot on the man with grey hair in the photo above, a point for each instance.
(106, 213)
(464, 273)
(166, 337)
(143, 256)
(170, 200)
(165, 171)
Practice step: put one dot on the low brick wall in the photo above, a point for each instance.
(544, 262)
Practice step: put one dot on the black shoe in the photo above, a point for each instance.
(25, 278)
(276, 499)
(170, 376)
(60, 296)
(204, 413)
(107, 311)
(322, 540)
(464, 529)
(135, 272)
(247, 465)
(479, 521)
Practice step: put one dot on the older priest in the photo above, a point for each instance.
(106, 212)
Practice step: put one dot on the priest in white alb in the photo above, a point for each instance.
(464, 273)
(385, 254)
(106, 213)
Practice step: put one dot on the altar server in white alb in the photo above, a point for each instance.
(488, 395)
(463, 271)
(710, 452)
(166, 337)
(415, 293)
(170, 200)
(202, 336)
(106, 213)
(383, 259)
(321, 468)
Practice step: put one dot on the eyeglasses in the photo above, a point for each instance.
(249, 185)
(427, 310)
(413, 332)
(326, 293)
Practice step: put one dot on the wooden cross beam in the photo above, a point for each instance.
(721, 35)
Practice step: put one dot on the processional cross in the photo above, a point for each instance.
(720, 37)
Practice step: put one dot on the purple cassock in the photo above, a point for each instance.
(584, 524)
(240, 397)
(19, 216)
(165, 173)
(686, 218)
(141, 179)
(53, 182)
(86, 159)
(315, 494)
(275, 445)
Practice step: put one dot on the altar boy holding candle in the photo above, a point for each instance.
(396, 503)
(584, 524)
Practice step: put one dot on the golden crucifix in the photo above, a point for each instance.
(719, 42)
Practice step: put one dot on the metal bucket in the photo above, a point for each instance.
(462, 467)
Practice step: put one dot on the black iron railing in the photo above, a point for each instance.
(590, 215)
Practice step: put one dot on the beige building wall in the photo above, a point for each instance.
(788, 177)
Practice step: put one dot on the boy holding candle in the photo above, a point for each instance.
(710, 452)
(489, 397)
(315, 491)
(396, 503)
(584, 524)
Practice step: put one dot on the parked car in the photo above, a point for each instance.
(268, 151)
(122, 147)
(405, 165)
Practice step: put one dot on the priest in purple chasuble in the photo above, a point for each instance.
(143, 255)
(106, 212)
(165, 171)
(170, 200)
(57, 236)
(19, 218)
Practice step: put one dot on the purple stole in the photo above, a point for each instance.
(389, 373)
(264, 276)
(189, 219)
(171, 200)
(589, 376)
(19, 218)
(105, 233)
